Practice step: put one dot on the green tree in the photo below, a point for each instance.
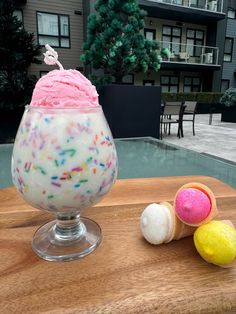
(17, 52)
(115, 42)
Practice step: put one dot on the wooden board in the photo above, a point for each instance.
(125, 274)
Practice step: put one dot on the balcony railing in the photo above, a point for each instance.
(208, 5)
(191, 54)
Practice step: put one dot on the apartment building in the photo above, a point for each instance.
(60, 24)
(193, 31)
(199, 34)
(229, 59)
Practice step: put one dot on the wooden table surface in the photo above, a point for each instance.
(125, 274)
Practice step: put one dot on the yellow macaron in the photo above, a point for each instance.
(216, 242)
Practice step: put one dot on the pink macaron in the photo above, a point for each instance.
(192, 206)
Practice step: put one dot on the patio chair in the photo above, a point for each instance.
(190, 111)
(171, 109)
(173, 103)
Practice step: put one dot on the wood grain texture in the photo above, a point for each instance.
(125, 274)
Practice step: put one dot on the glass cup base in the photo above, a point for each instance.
(46, 245)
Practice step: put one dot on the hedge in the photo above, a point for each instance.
(203, 97)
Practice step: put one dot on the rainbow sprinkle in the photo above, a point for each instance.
(58, 163)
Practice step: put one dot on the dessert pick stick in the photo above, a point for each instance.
(51, 57)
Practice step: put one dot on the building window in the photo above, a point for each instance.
(224, 85)
(179, 2)
(128, 79)
(19, 14)
(148, 82)
(169, 83)
(150, 33)
(200, 4)
(195, 40)
(53, 29)
(192, 84)
(231, 14)
(171, 37)
(228, 49)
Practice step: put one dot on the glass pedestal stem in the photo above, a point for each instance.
(69, 227)
(69, 237)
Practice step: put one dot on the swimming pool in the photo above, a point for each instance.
(5, 165)
(148, 157)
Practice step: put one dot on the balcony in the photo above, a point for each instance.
(196, 11)
(187, 57)
(208, 5)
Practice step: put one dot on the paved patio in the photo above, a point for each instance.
(218, 139)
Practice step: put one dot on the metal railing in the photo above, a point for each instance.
(208, 5)
(191, 54)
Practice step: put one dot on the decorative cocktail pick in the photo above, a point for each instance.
(51, 57)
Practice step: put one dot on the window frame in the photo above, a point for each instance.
(194, 38)
(169, 82)
(152, 82)
(224, 80)
(171, 36)
(177, 2)
(232, 10)
(150, 30)
(198, 5)
(128, 79)
(59, 36)
(20, 10)
(231, 53)
(192, 85)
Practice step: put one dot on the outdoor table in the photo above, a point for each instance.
(125, 274)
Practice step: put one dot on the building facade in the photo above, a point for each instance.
(229, 60)
(60, 24)
(200, 35)
(192, 30)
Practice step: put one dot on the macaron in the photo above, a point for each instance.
(216, 243)
(195, 204)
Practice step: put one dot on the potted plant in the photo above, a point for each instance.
(115, 44)
(229, 102)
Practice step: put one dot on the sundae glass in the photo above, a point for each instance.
(64, 160)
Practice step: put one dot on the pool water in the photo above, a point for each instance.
(5, 165)
(148, 157)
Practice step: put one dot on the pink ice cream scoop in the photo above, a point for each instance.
(64, 89)
(195, 204)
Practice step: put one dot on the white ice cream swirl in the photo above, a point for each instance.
(156, 223)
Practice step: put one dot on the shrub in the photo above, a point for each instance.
(201, 97)
(229, 97)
